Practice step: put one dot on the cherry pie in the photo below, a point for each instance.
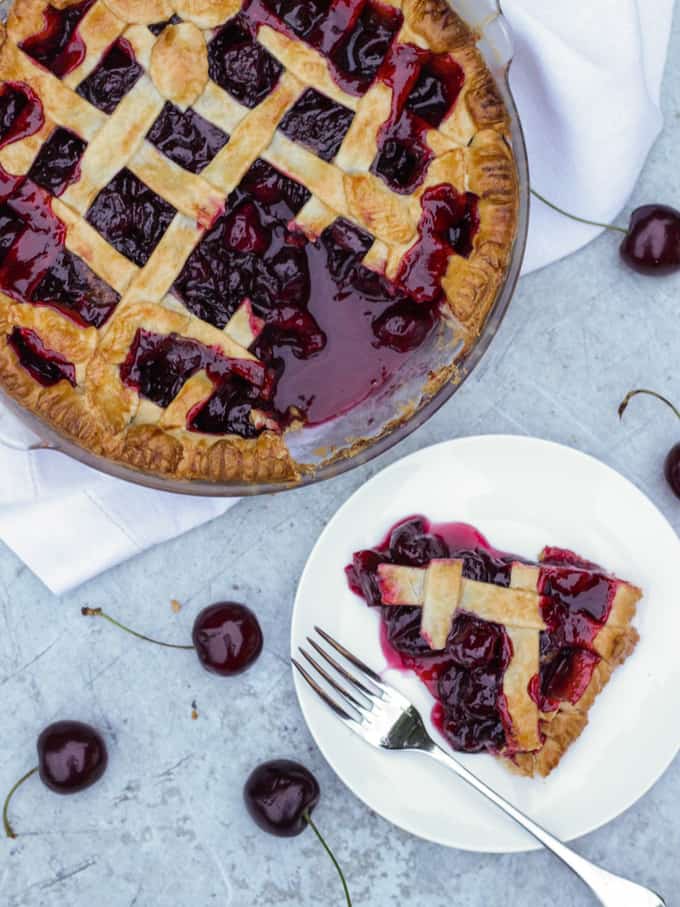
(513, 651)
(220, 222)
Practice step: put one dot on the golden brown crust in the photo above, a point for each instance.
(470, 151)
(522, 709)
(206, 13)
(179, 64)
(441, 27)
(615, 642)
(561, 728)
(141, 12)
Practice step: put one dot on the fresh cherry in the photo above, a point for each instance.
(227, 637)
(280, 796)
(672, 469)
(672, 463)
(651, 244)
(71, 757)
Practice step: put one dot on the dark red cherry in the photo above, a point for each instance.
(473, 643)
(279, 795)
(72, 756)
(227, 638)
(411, 544)
(362, 575)
(652, 244)
(672, 469)
(404, 325)
(672, 464)
(402, 627)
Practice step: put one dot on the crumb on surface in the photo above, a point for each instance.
(175, 605)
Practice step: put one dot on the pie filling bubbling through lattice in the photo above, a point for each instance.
(522, 649)
(300, 286)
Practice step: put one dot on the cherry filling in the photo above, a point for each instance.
(565, 557)
(355, 61)
(186, 138)
(59, 47)
(227, 266)
(320, 23)
(130, 216)
(46, 366)
(354, 35)
(466, 677)
(436, 89)
(112, 78)
(230, 410)
(565, 674)
(317, 122)
(240, 65)
(448, 224)
(425, 87)
(21, 112)
(159, 365)
(304, 18)
(575, 603)
(470, 688)
(402, 156)
(333, 330)
(73, 288)
(57, 164)
(11, 226)
(34, 236)
(34, 264)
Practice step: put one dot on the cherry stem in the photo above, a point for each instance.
(308, 820)
(9, 831)
(629, 396)
(97, 612)
(581, 220)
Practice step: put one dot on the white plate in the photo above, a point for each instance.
(522, 493)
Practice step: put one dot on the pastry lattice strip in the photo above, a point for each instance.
(344, 188)
(442, 590)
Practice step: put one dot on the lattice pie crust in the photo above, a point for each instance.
(469, 150)
(536, 740)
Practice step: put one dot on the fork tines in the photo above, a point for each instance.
(363, 694)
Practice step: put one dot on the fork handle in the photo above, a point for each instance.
(611, 890)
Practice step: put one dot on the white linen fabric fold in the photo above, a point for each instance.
(587, 81)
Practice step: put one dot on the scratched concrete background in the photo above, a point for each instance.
(166, 826)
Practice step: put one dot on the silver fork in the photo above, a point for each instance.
(383, 717)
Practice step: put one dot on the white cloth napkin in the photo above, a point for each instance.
(587, 80)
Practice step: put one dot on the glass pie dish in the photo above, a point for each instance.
(428, 376)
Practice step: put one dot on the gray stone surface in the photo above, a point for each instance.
(166, 827)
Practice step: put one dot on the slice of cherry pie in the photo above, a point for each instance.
(514, 652)
(221, 221)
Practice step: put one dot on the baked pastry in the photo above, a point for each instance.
(221, 222)
(513, 651)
